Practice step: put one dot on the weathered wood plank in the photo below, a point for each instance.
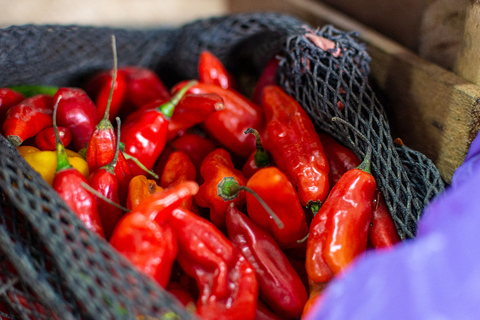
(433, 110)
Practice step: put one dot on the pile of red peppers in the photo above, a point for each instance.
(240, 209)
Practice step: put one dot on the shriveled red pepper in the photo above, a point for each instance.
(382, 232)
(68, 182)
(340, 158)
(146, 238)
(45, 139)
(216, 166)
(26, 119)
(295, 146)
(227, 282)
(143, 86)
(266, 78)
(104, 181)
(196, 146)
(140, 188)
(258, 159)
(212, 71)
(78, 113)
(8, 98)
(228, 126)
(339, 231)
(145, 132)
(191, 110)
(279, 284)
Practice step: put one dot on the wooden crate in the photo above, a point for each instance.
(434, 111)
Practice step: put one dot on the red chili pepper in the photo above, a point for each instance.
(258, 159)
(78, 113)
(212, 71)
(143, 87)
(227, 282)
(179, 168)
(68, 184)
(265, 313)
(197, 148)
(266, 78)
(340, 158)
(45, 139)
(140, 188)
(273, 186)
(8, 98)
(104, 181)
(295, 146)
(99, 87)
(216, 166)
(145, 132)
(279, 284)
(191, 110)
(228, 126)
(339, 231)
(144, 235)
(26, 119)
(382, 232)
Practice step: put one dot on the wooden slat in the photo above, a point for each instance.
(433, 110)
(469, 62)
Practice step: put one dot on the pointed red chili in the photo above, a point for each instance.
(212, 71)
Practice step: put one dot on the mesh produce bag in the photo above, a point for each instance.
(53, 267)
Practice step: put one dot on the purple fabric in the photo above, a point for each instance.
(434, 276)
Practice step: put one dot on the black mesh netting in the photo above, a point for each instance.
(52, 267)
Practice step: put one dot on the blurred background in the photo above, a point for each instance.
(132, 13)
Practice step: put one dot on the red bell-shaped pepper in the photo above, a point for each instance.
(295, 146)
(280, 286)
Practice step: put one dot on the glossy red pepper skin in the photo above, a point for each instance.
(382, 232)
(279, 284)
(340, 158)
(98, 88)
(105, 182)
(124, 175)
(227, 282)
(179, 168)
(146, 238)
(266, 78)
(26, 119)
(228, 126)
(78, 113)
(273, 186)
(45, 139)
(68, 184)
(258, 159)
(101, 147)
(191, 110)
(143, 86)
(295, 146)
(215, 167)
(212, 71)
(8, 98)
(339, 231)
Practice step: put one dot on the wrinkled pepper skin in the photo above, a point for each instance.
(26, 119)
(227, 282)
(216, 166)
(279, 284)
(212, 71)
(78, 113)
(382, 232)
(273, 186)
(291, 139)
(140, 188)
(101, 146)
(228, 126)
(339, 231)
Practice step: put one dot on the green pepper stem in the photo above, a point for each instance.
(261, 156)
(111, 166)
(168, 107)
(141, 165)
(228, 189)
(105, 122)
(101, 196)
(62, 157)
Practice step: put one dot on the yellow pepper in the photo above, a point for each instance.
(45, 162)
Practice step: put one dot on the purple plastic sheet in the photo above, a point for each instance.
(435, 276)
